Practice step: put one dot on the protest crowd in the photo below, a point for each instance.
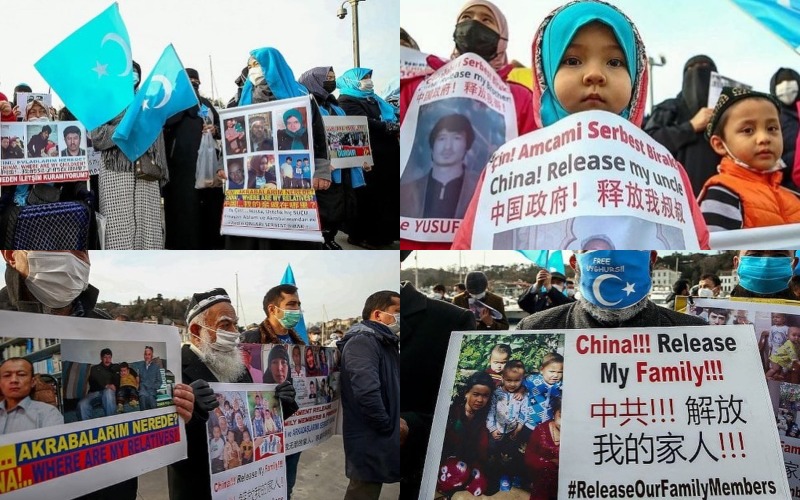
(149, 169)
(500, 432)
(546, 181)
(352, 374)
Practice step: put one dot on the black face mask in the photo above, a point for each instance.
(473, 36)
(329, 86)
(196, 87)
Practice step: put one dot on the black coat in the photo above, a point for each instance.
(370, 384)
(531, 302)
(790, 126)
(192, 216)
(669, 125)
(426, 327)
(190, 479)
(379, 200)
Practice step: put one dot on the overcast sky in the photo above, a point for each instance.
(307, 32)
(741, 47)
(339, 281)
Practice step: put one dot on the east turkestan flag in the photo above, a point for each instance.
(92, 70)
(165, 92)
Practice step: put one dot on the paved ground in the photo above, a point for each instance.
(320, 476)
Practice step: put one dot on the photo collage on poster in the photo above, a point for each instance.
(267, 149)
(246, 427)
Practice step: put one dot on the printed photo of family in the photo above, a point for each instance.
(503, 428)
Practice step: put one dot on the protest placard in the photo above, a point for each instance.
(39, 152)
(775, 324)
(268, 157)
(592, 180)
(314, 373)
(653, 413)
(88, 442)
(717, 83)
(245, 443)
(348, 141)
(457, 118)
(413, 63)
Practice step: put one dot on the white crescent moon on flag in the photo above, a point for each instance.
(596, 289)
(167, 90)
(125, 48)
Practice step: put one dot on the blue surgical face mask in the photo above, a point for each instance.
(614, 279)
(290, 317)
(765, 275)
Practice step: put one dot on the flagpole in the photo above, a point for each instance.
(213, 83)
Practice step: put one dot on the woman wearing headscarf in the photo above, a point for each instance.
(679, 123)
(375, 224)
(131, 206)
(481, 28)
(784, 85)
(321, 82)
(269, 78)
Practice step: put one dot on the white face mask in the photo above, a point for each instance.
(786, 92)
(366, 85)
(560, 288)
(255, 75)
(779, 165)
(479, 296)
(394, 327)
(226, 341)
(56, 278)
(705, 293)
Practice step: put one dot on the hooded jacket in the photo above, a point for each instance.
(790, 125)
(546, 109)
(370, 381)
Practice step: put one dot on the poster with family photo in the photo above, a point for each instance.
(660, 412)
(296, 171)
(348, 141)
(39, 152)
(246, 442)
(88, 434)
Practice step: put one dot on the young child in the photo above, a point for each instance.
(246, 447)
(778, 332)
(542, 387)
(499, 355)
(781, 362)
(587, 55)
(232, 452)
(216, 447)
(745, 130)
(128, 388)
(507, 414)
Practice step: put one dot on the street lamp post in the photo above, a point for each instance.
(341, 14)
(652, 62)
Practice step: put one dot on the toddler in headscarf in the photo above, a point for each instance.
(587, 55)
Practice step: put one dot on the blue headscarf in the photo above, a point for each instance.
(297, 142)
(348, 85)
(559, 33)
(278, 75)
(392, 91)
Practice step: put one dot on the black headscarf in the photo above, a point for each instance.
(277, 351)
(696, 79)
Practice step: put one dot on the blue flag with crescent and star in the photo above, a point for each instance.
(91, 70)
(165, 92)
(300, 327)
(782, 17)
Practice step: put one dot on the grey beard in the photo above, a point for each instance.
(612, 316)
(227, 366)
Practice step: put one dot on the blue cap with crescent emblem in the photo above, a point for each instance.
(614, 279)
